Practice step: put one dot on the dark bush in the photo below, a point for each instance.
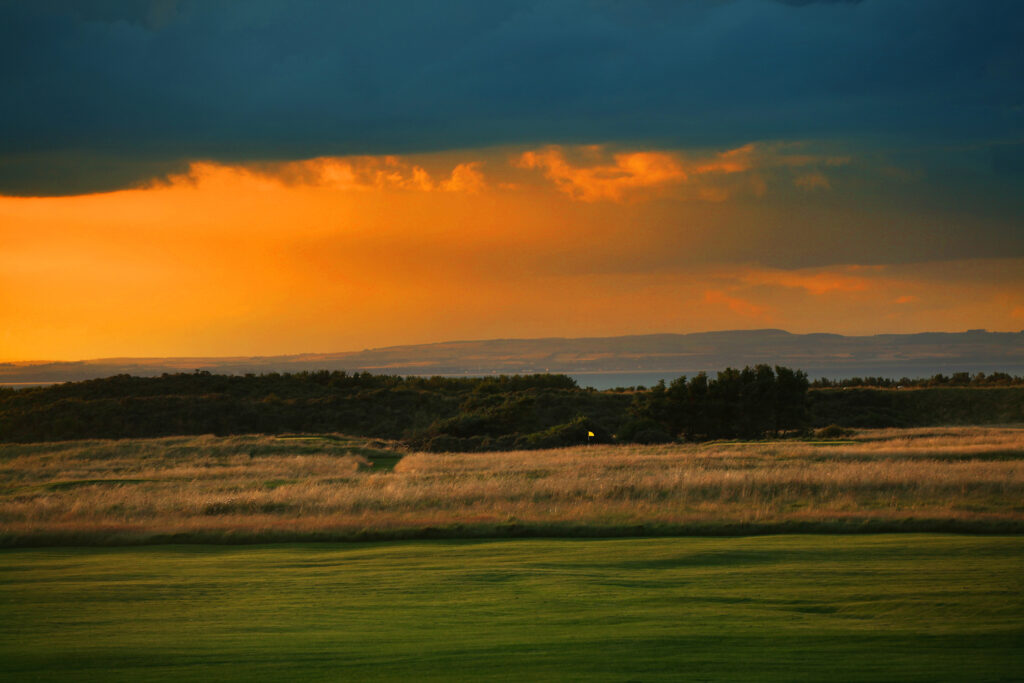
(558, 436)
(651, 436)
(834, 431)
(645, 431)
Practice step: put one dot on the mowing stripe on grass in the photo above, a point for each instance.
(788, 608)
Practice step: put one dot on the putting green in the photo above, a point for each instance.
(788, 608)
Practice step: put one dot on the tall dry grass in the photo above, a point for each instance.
(261, 485)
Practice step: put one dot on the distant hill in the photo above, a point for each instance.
(828, 355)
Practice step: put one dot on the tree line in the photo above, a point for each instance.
(483, 413)
(750, 403)
(956, 379)
(433, 413)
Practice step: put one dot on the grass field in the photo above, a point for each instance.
(904, 607)
(331, 487)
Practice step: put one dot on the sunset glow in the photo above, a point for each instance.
(346, 253)
(286, 185)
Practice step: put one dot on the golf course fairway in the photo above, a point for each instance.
(910, 607)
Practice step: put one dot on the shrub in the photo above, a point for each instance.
(834, 431)
(644, 431)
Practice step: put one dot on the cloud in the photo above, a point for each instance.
(719, 214)
(803, 3)
(465, 178)
(628, 171)
(817, 283)
(741, 307)
(591, 173)
(103, 95)
(731, 161)
(1008, 159)
(344, 174)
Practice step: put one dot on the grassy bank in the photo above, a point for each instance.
(260, 488)
(787, 608)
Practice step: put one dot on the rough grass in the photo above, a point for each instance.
(782, 608)
(252, 488)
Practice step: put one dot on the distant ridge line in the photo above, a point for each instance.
(820, 354)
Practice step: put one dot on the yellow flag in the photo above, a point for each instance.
(590, 433)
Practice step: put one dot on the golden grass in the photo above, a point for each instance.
(259, 485)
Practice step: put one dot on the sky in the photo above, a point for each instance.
(217, 178)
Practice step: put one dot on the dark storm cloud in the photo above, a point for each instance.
(801, 3)
(1008, 159)
(102, 94)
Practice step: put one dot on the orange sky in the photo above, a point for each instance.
(339, 254)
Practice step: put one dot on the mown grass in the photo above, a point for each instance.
(330, 487)
(782, 608)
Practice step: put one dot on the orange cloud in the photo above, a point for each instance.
(739, 306)
(817, 283)
(731, 161)
(588, 174)
(629, 171)
(465, 178)
(345, 174)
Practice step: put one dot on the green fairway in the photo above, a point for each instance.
(787, 608)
